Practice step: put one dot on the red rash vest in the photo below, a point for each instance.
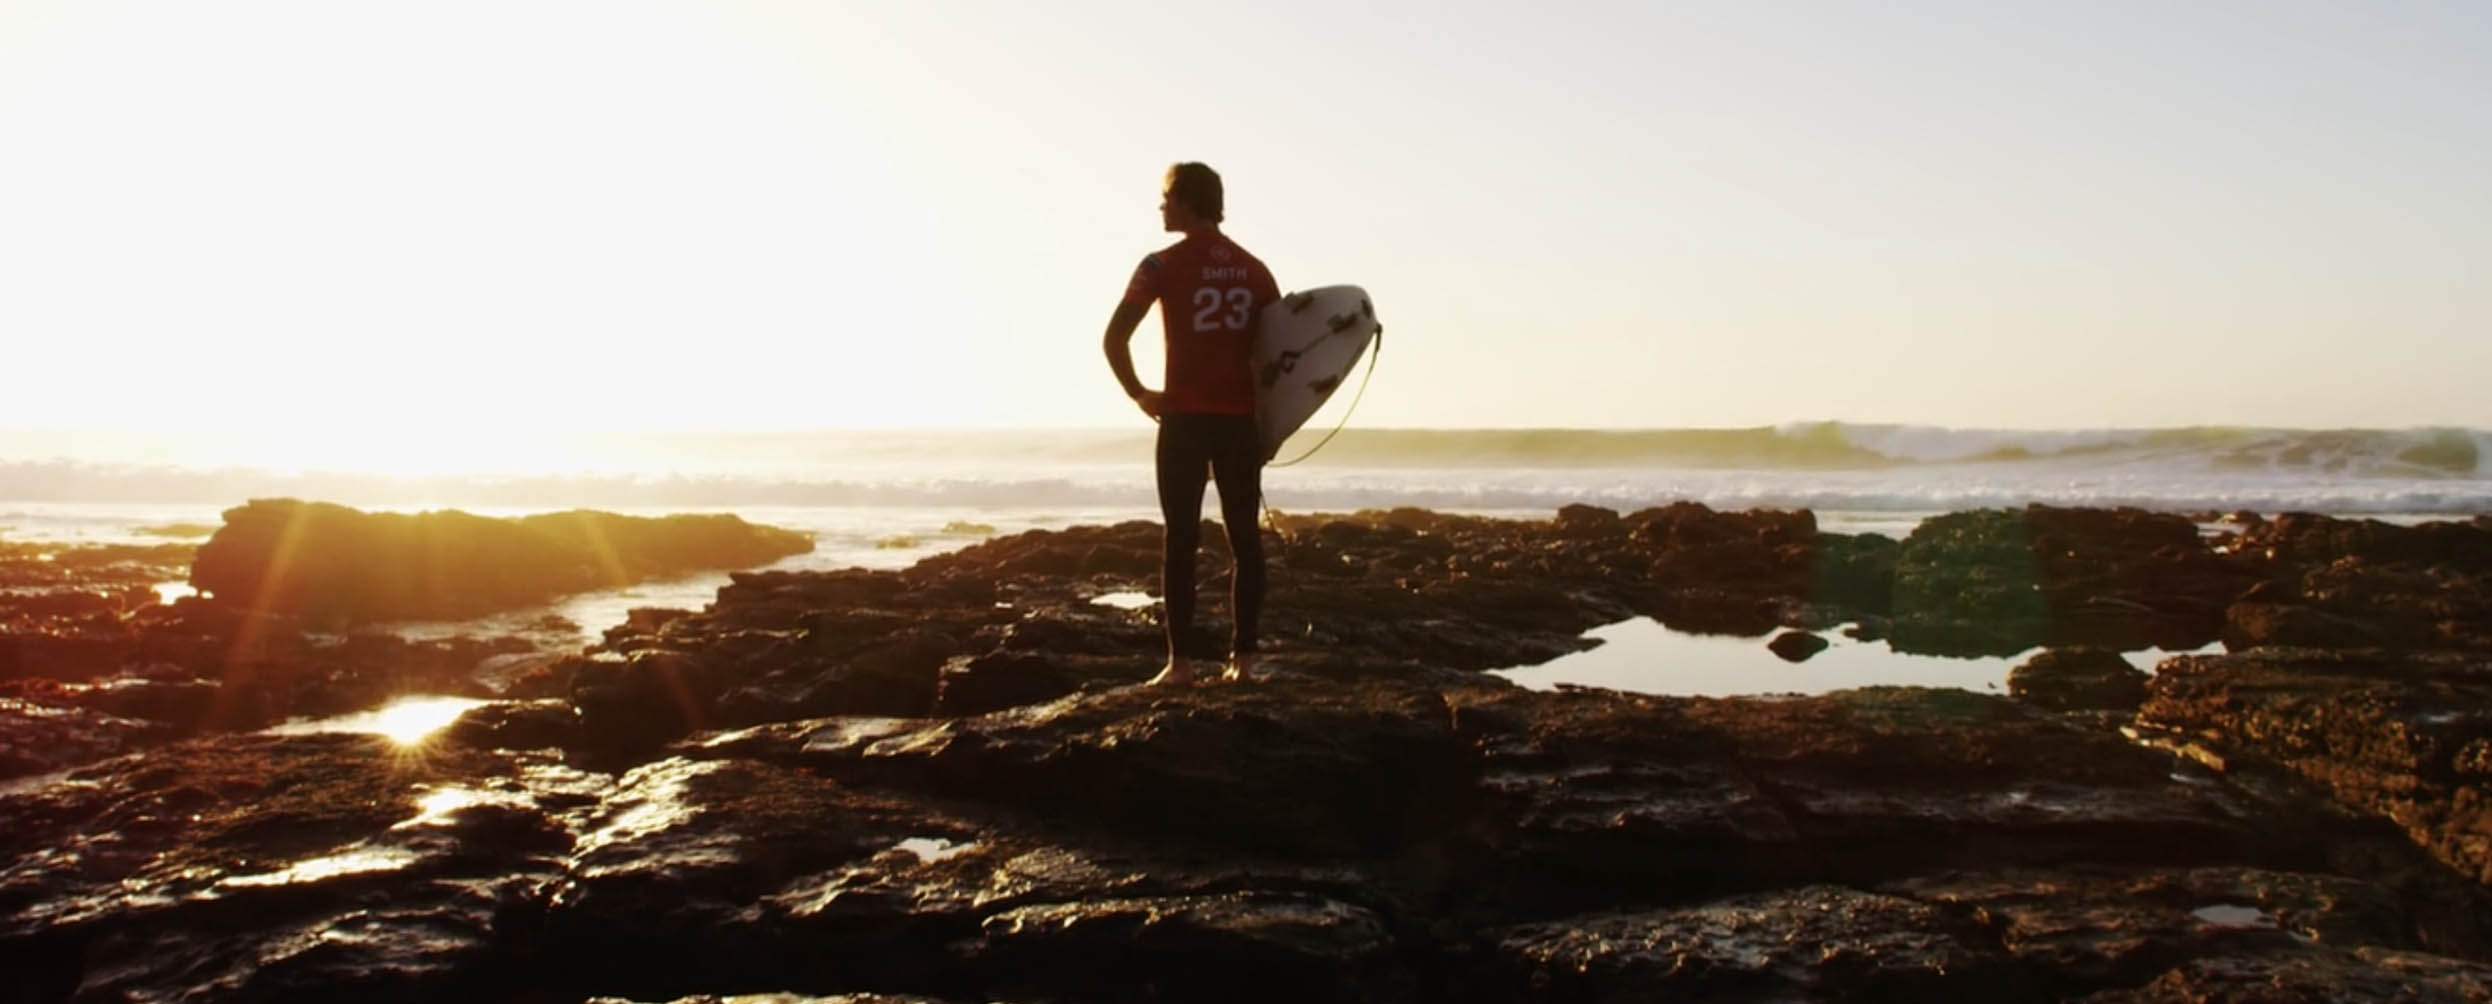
(1210, 292)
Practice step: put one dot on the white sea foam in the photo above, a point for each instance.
(1939, 444)
(856, 490)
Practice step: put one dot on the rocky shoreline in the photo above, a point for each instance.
(938, 783)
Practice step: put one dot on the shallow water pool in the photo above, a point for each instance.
(1642, 656)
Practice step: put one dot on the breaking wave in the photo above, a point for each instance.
(1818, 465)
(2422, 452)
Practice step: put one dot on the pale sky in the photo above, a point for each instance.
(423, 221)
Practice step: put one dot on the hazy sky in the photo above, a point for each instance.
(422, 221)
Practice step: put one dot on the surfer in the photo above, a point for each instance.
(1209, 292)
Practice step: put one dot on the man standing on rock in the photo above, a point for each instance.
(1209, 292)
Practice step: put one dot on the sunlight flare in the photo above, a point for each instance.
(407, 721)
(411, 720)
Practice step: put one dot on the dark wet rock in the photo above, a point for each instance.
(61, 652)
(1239, 946)
(32, 573)
(2399, 736)
(71, 604)
(638, 704)
(976, 684)
(1576, 791)
(1868, 629)
(196, 666)
(1587, 521)
(2336, 583)
(936, 784)
(2072, 931)
(522, 675)
(332, 562)
(252, 697)
(519, 725)
(701, 874)
(1961, 776)
(782, 998)
(266, 868)
(1807, 943)
(2305, 539)
(1856, 572)
(1796, 646)
(41, 736)
(1372, 835)
(1338, 768)
(2078, 679)
(2314, 974)
(1008, 620)
(2288, 625)
(762, 875)
(160, 693)
(1998, 582)
(1718, 572)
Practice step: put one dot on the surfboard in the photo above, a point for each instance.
(1305, 346)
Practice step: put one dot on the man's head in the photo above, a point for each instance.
(1190, 197)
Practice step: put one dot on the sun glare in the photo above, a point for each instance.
(410, 720)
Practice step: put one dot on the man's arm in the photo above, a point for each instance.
(1119, 345)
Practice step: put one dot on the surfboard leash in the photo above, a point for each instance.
(1372, 356)
(1273, 516)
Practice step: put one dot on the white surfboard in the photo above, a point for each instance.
(1305, 346)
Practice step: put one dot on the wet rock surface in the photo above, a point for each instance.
(1998, 582)
(2078, 679)
(1400, 836)
(94, 662)
(938, 784)
(2332, 583)
(1796, 646)
(1006, 622)
(331, 562)
(2403, 736)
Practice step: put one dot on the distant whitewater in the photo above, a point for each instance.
(1828, 466)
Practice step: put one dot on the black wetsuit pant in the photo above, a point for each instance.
(1229, 448)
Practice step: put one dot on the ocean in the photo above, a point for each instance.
(884, 499)
(863, 489)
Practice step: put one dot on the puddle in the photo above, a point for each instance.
(1128, 600)
(932, 849)
(167, 592)
(405, 721)
(1642, 656)
(2228, 915)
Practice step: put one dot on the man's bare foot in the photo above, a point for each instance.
(1241, 669)
(1177, 673)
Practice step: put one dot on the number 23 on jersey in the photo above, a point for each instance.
(1215, 309)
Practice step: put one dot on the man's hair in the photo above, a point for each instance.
(1197, 187)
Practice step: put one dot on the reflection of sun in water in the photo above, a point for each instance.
(408, 721)
(353, 861)
(442, 806)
